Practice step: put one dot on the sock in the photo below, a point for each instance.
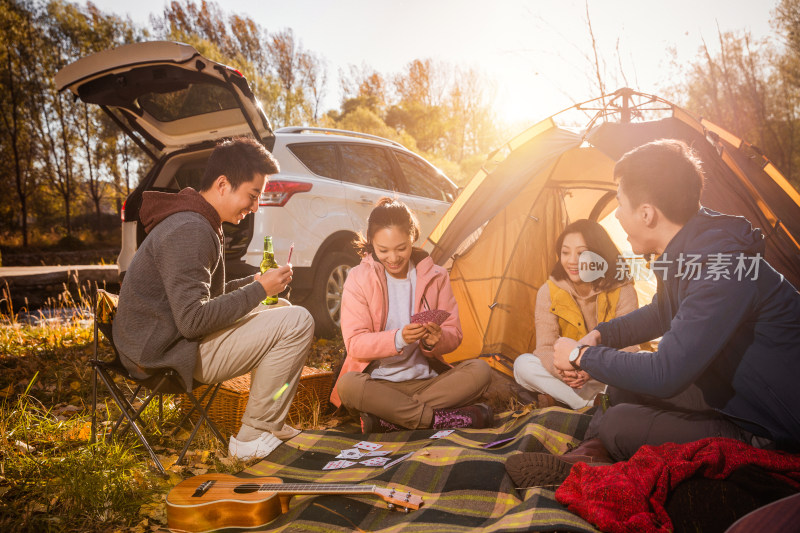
(248, 433)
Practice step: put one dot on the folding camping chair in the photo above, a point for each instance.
(164, 381)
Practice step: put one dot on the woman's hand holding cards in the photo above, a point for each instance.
(433, 334)
(431, 320)
(413, 332)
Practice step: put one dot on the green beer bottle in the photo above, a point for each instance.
(267, 262)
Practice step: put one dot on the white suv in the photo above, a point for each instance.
(176, 104)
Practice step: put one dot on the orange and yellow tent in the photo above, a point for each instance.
(498, 237)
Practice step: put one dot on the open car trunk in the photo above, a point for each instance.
(170, 100)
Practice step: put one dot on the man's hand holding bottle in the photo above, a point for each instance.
(275, 280)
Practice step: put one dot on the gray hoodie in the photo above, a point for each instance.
(174, 292)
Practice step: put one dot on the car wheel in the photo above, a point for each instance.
(325, 301)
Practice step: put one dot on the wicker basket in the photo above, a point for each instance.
(313, 391)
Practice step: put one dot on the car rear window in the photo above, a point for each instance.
(318, 158)
(367, 165)
(196, 99)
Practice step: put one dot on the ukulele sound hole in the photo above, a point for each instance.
(247, 488)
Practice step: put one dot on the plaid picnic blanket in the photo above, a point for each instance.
(463, 484)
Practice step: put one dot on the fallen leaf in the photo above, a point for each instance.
(167, 461)
(154, 511)
(81, 432)
(8, 391)
(527, 409)
(24, 447)
(37, 507)
(228, 461)
(75, 385)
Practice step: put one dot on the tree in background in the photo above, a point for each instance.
(787, 22)
(745, 88)
(288, 80)
(17, 138)
(440, 112)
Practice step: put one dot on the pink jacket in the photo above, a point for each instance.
(365, 307)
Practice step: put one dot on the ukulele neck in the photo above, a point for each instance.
(316, 488)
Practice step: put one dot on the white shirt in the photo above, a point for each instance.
(410, 363)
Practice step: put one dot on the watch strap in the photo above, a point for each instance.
(574, 362)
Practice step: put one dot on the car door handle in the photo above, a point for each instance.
(428, 211)
(364, 201)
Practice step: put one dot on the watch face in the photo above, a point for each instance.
(573, 355)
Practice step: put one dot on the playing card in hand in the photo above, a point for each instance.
(437, 316)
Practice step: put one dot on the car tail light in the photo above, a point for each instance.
(277, 193)
(122, 211)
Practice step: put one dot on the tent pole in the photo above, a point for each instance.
(626, 106)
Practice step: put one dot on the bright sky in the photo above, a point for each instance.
(536, 51)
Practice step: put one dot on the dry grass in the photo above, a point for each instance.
(51, 478)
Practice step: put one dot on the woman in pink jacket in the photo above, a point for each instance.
(394, 375)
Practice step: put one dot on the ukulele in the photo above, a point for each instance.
(218, 501)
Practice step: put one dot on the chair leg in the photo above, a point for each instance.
(93, 437)
(203, 417)
(191, 411)
(197, 406)
(128, 405)
(138, 412)
(121, 401)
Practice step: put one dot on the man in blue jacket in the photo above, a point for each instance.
(728, 362)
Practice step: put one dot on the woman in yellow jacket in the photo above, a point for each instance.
(570, 304)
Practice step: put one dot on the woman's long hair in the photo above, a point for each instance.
(597, 241)
(387, 212)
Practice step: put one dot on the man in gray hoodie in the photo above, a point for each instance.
(176, 309)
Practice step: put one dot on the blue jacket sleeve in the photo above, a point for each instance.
(709, 315)
(636, 327)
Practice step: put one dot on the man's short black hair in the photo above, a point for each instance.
(239, 159)
(666, 173)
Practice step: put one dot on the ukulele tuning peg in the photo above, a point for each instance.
(406, 510)
(390, 506)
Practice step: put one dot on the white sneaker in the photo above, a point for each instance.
(286, 432)
(251, 449)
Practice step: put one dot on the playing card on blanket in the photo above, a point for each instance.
(375, 461)
(335, 465)
(379, 453)
(352, 453)
(443, 433)
(369, 446)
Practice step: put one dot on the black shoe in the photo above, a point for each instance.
(530, 469)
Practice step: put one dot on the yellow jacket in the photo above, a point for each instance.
(570, 318)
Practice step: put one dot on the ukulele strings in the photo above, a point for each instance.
(278, 487)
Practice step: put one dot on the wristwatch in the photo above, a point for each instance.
(574, 354)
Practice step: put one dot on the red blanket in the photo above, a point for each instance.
(630, 496)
